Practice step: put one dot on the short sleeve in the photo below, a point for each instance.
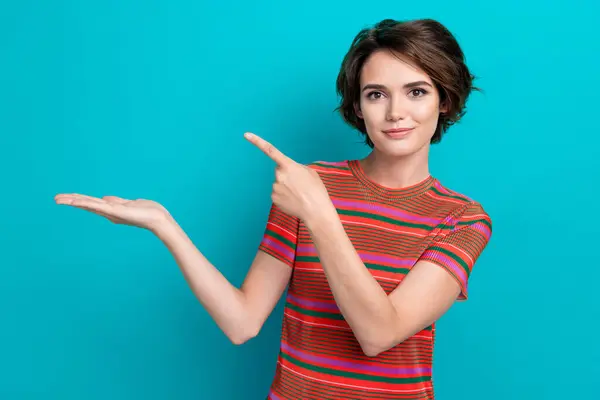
(457, 249)
(280, 236)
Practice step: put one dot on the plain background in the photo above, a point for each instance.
(150, 99)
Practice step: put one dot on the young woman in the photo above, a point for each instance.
(374, 250)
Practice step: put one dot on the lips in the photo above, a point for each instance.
(398, 132)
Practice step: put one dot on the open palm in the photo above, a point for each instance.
(140, 212)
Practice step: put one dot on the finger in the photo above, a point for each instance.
(68, 198)
(267, 148)
(71, 199)
(91, 205)
(96, 206)
(279, 175)
(115, 199)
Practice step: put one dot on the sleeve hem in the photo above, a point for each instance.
(276, 255)
(463, 295)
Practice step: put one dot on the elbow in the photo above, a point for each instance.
(373, 350)
(243, 335)
(239, 340)
(376, 346)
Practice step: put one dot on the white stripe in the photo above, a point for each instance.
(283, 229)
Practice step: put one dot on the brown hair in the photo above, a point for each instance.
(425, 42)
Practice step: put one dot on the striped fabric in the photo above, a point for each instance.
(391, 230)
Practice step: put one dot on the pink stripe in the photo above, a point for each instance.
(386, 211)
(440, 188)
(272, 396)
(483, 229)
(314, 304)
(334, 163)
(450, 263)
(278, 248)
(310, 250)
(349, 365)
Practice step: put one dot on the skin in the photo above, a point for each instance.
(379, 321)
(386, 103)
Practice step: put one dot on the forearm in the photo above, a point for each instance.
(361, 300)
(225, 303)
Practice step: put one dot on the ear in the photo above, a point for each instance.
(444, 107)
(357, 110)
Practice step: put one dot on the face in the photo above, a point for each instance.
(398, 103)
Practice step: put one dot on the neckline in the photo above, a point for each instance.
(389, 192)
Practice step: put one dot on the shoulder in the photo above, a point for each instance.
(331, 168)
(328, 165)
(465, 210)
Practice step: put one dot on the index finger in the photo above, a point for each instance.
(267, 148)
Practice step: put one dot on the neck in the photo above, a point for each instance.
(397, 172)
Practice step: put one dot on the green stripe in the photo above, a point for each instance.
(388, 219)
(483, 221)
(378, 267)
(354, 375)
(449, 195)
(336, 167)
(486, 222)
(308, 259)
(453, 256)
(398, 270)
(322, 314)
(280, 238)
(313, 313)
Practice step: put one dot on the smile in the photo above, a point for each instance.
(398, 133)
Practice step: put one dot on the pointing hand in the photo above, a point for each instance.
(298, 190)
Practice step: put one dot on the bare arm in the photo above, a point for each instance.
(239, 312)
(379, 321)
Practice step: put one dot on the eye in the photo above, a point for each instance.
(375, 95)
(419, 92)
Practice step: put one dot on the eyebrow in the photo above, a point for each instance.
(406, 86)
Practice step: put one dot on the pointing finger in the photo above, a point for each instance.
(267, 148)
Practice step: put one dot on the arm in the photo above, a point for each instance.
(378, 321)
(239, 313)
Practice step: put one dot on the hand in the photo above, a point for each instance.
(141, 213)
(298, 190)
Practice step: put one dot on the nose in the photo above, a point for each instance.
(396, 110)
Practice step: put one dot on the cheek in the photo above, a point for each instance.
(373, 113)
(425, 112)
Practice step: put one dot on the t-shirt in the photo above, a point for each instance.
(391, 229)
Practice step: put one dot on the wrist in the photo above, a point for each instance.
(322, 216)
(163, 225)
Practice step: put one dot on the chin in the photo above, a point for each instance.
(398, 148)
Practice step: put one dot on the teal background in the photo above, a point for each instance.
(150, 100)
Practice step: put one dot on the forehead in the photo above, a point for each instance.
(390, 69)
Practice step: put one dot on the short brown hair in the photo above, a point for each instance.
(425, 42)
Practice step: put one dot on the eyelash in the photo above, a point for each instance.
(424, 92)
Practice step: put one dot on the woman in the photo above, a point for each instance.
(378, 247)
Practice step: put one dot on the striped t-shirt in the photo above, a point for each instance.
(391, 229)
